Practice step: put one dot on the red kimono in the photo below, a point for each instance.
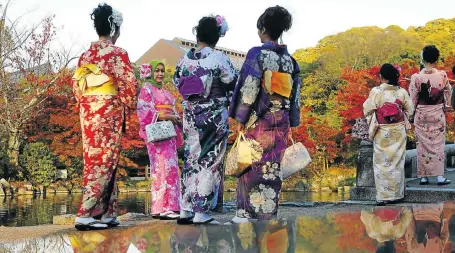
(102, 121)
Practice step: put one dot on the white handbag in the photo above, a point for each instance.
(295, 159)
(159, 130)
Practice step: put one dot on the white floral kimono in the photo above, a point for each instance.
(389, 142)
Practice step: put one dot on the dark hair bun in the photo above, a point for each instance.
(208, 31)
(275, 21)
(100, 17)
(389, 72)
(430, 54)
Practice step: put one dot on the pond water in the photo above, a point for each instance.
(424, 228)
(37, 210)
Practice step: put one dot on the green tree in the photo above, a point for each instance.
(39, 163)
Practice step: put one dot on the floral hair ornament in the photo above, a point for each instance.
(146, 71)
(222, 24)
(398, 68)
(117, 19)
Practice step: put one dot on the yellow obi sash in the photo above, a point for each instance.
(277, 82)
(93, 82)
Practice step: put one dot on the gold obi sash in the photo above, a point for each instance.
(92, 81)
(165, 108)
(277, 82)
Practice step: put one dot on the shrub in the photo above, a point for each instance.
(39, 163)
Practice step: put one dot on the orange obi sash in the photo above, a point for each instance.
(165, 108)
(277, 82)
(93, 82)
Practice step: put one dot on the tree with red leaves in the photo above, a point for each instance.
(29, 71)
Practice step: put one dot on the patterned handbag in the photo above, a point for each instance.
(295, 159)
(160, 130)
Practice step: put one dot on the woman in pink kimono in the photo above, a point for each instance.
(156, 103)
(430, 93)
(428, 231)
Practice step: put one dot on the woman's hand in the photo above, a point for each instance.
(175, 119)
(240, 127)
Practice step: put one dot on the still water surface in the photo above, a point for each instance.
(416, 228)
(37, 210)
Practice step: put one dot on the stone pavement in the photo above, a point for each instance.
(415, 192)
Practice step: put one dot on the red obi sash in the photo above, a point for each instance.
(390, 113)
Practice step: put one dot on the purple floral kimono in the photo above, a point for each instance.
(267, 110)
(205, 78)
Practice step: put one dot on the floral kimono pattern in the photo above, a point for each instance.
(267, 119)
(389, 142)
(205, 128)
(164, 168)
(102, 120)
(430, 123)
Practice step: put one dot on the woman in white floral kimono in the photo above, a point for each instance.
(388, 108)
(266, 103)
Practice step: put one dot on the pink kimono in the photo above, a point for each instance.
(429, 119)
(163, 155)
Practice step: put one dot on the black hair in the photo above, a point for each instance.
(387, 247)
(275, 21)
(430, 54)
(208, 31)
(389, 72)
(453, 70)
(100, 17)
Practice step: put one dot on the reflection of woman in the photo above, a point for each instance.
(105, 88)
(430, 92)
(205, 77)
(157, 104)
(385, 225)
(428, 230)
(391, 105)
(266, 102)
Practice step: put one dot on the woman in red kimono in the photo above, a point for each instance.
(105, 87)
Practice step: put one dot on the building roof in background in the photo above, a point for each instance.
(170, 51)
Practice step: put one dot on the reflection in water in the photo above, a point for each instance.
(428, 230)
(414, 228)
(37, 210)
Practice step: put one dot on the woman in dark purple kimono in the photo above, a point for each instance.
(266, 104)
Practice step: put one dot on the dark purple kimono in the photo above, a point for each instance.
(267, 119)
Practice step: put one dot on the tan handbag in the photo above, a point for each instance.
(242, 155)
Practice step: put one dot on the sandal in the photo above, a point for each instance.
(445, 182)
(112, 223)
(169, 216)
(185, 221)
(95, 225)
(210, 221)
(424, 182)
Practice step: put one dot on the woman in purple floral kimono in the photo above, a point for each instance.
(266, 104)
(206, 78)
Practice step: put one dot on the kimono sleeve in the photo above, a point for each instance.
(370, 105)
(294, 113)
(414, 89)
(229, 74)
(247, 89)
(76, 90)
(146, 111)
(408, 105)
(177, 74)
(126, 80)
(447, 90)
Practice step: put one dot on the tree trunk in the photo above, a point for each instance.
(13, 150)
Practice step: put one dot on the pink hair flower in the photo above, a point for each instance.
(146, 71)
